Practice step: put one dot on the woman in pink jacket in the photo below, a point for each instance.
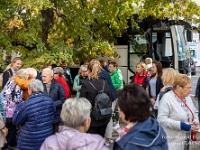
(76, 118)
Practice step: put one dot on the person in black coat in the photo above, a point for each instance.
(197, 96)
(88, 92)
(14, 67)
(55, 91)
(106, 76)
(155, 83)
(154, 88)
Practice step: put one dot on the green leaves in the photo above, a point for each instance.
(52, 31)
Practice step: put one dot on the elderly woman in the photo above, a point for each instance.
(82, 74)
(141, 77)
(76, 117)
(11, 96)
(35, 116)
(58, 76)
(32, 73)
(176, 113)
(141, 132)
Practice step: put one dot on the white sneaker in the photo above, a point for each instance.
(107, 144)
(116, 126)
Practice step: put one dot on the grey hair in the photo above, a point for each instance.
(75, 112)
(48, 70)
(36, 85)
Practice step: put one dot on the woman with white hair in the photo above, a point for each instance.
(76, 117)
(82, 74)
(35, 116)
(32, 73)
(58, 76)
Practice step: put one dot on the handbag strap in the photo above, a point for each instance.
(185, 105)
(95, 87)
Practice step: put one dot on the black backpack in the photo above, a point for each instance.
(103, 105)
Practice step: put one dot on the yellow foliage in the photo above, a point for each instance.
(15, 22)
(69, 41)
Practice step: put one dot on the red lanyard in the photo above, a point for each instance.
(185, 105)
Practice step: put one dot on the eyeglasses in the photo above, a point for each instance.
(188, 88)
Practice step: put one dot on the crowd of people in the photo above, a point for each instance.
(38, 110)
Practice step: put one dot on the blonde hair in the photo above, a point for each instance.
(82, 68)
(8, 67)
(143, 65)
(22, 74)
(148, 61)
(181, 80)
(95, 68)
(15, 59)
(168, 76)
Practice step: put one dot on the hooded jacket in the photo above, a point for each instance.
(72, 139)
(147, 135)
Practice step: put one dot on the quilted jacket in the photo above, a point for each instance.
(35, 116)
(117, 79)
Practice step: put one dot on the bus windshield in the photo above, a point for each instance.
(183, 48)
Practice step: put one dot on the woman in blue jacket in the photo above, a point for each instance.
(141, 132)
(35, 116)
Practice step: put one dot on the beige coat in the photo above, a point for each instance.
(2, 136)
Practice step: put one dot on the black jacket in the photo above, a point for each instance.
(6, 76)
(105, 75)
(57, 94)
(88, 92)
(197, 91)
(159, 85)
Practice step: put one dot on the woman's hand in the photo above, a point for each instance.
(162, 89)
(196, 98)
(195, 126)
(5, 131)
(152, 101)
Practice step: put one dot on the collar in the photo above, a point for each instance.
(133, 132)
(13, 71)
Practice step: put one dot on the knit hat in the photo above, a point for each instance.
(58, 70)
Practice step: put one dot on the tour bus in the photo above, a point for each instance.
(165, 42)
